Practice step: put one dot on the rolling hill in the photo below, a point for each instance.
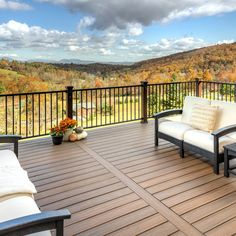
(210, 63)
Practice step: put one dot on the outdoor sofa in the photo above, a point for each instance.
(203, 126)
(19, 213)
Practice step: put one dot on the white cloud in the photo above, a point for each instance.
(104, 51)
(113, 44)
(86, 22)
(226, 41)
(14, 5)
(135, 29)
(11, 55)
(168, 46)
(130, 41)
(122, 13)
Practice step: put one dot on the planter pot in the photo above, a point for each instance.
(67, 134)
(57, 140)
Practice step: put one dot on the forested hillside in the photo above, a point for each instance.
(209, 63)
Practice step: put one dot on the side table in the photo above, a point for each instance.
(229, 154)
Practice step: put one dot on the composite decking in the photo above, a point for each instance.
(116, 182)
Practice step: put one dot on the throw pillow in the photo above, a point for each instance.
(203, 117)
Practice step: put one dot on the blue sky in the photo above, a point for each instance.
(111, 30)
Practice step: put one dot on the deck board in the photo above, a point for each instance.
(116, 182)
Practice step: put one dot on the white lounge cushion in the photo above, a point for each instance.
(205, 140)
(226, 114)
(189, 102)
(8, 158)
(17, 207)
(174, 129)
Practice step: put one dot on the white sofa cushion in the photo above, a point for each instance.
(226, 115)
(8, 158)
(19, 206)
(203, 117)
(174, 129)
(205, 140)
(189, 102)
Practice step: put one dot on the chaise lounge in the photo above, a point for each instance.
(203, 126)
(19, 213)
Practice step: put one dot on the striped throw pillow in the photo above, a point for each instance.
(203, 117)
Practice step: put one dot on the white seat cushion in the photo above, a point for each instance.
(174, 129)
(8, 158)
(17, 207)
(189, 102)
(205, 140)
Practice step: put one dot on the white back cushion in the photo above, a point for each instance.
(226, 114)
(189, 102)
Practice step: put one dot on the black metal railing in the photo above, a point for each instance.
(165, 96)
(109, 105)
(218, 91)
(33, 114)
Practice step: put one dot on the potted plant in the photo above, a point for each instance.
(57, 134)
(68, 125)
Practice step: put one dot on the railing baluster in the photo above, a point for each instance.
(26, 111)
(39, 113)
(45, 113)
(13, 115)
(32, 114)
(6, 123)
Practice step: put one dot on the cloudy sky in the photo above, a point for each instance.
(112, 30)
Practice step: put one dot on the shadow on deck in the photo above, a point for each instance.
(118, 183)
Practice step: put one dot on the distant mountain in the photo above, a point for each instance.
(76, 62)
(93, 68)
(81, 62)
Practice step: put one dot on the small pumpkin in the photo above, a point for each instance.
(73, 137)
(79, 130)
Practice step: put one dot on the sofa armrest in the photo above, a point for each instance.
(167, 113)
(11, 139)
(35, 223)
(223, 131)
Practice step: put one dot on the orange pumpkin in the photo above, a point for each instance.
(73, 137)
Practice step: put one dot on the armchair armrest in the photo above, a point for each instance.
(223, 131)
(35, 223)
(167, 113)
(11, 139)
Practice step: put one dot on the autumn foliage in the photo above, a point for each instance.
(214, 63)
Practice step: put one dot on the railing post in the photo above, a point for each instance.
(144, 102)
(69, 101)
(198, 92)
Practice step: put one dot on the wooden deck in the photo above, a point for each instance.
(118, 183)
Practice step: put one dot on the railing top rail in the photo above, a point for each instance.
(217, 82)
(108, 87)
(176, 82)
(113, 87)
(33, 93)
